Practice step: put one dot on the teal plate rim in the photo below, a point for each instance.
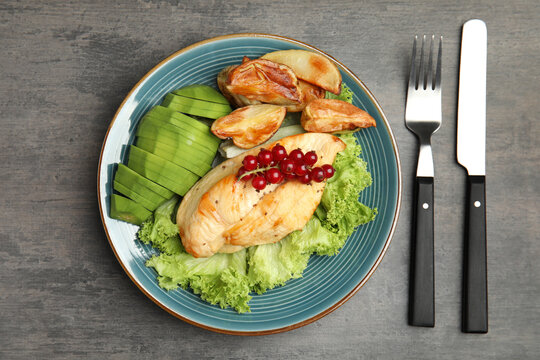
(102, 172)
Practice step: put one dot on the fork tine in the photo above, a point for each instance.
(439, 63)
(429, 82)
(420, 83)
(412, 74)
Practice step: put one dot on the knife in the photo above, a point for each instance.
(471, 154)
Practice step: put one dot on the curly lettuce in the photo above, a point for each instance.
(160, 231)
(220, 279)
(346, 94)
(340, 211)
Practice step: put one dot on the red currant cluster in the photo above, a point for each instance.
(275, 166)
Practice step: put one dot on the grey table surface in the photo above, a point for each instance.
(65, 67)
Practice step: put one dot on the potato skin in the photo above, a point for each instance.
(334, 116)
(234, 99)
(309, 92)
(309, 66)
(251, 125)
(264, 81)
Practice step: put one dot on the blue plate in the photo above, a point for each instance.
(328, 281)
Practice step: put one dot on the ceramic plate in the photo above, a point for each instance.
(328, 281)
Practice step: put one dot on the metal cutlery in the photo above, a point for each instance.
(471, 154)
(423, 116)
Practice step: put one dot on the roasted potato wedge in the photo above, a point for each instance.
(309, 92)
(264, 81)
(250, 126)
(309, 66)
(334, 116)
(234, 99)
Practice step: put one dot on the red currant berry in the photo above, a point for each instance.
(300, 169)
(258, 182)
(310, 158)
(279, 152)
(317, 174)
(265, 157)
(296, 155)
(274, 176)
(304, 179)
(289, 176)
(287, 166)
(241, 172)
(250, 162)
(328, 171)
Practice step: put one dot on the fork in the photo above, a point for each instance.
(423, 116)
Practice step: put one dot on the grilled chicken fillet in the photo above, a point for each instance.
(222, 214)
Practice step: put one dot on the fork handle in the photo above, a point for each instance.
(421, 288)
(475, 308)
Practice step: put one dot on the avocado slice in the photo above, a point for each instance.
(180, 155)
(180, 149)
(130, 178)
(161, 171)
(134, 193)
(132, 187)
(183, 121)
(174, 117)
(149, 142)
(128, 210)
(202, 92)
(150, 131)
(183, 128)
(196, 107)
(150, 127)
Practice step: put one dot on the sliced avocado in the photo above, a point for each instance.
(148, 143)
(151, 131)
(177, 148)
(180, 155)
(175, 117)
(135, 193)
(196, 107)
(128, 210)
(170, 170)
(192, 120)
(203, 120)
(202, 92)
(132, 187)
(161, 171)
(201, 104)
(204, 138)
(128, 178)
(150, 127)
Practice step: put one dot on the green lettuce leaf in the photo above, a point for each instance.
(346, 94)
(271, 265)
(315, 238)
(160, 230)
(220, 279)
(339, 210)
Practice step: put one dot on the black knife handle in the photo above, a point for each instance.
(422, 279)
(475, 307)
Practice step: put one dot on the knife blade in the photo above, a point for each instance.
(471, 154)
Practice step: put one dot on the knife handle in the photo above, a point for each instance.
(475, 308)
(422, 278)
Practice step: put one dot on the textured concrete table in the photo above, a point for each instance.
(65, 68)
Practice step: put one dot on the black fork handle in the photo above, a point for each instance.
(421, 288)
